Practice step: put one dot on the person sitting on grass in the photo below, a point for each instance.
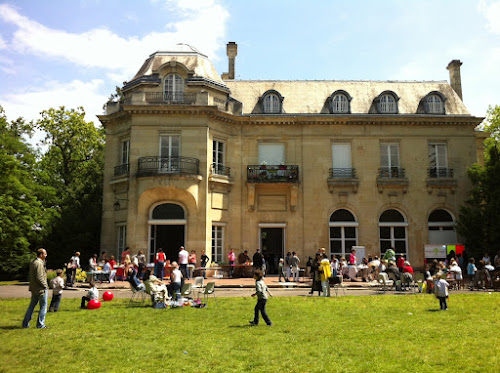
(261, 292)
(93, 294)
(134, 281)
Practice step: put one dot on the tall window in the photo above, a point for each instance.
(340, 103)
(387, 104)
(435, 104)
(217, 243)
(343, 232)
(125, 153)
(272, 104)
(218, 157)
(441, 228)
(342, 166)
(438, 160)
(121, 239)
(392, 229)
(389, 159)
(173, 88)
(271, 153)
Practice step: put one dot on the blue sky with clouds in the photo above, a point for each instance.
(73, 53)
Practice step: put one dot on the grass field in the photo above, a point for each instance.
(387, 333)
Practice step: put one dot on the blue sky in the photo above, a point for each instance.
(73, 53)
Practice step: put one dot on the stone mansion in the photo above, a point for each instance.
(212, 163)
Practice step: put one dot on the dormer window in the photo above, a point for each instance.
(340, 103)
(387, 103)
(434, 103)
(173, 88)
(272, 102)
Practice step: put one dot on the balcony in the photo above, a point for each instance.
(178, 98)
(273, 174)
(392, 179)
(158, 166)
(440, 179)
(122, 169)
(220, 178)
(220, 170)
(343, 180)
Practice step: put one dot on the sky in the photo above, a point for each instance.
(75, 52)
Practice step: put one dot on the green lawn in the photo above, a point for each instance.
(383, 333)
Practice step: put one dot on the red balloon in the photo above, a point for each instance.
(107, 296)
(94, 304)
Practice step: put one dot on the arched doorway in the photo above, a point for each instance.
(167, 230)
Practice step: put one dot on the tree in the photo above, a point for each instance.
(22, 215)
(479, 220)
(72, 165)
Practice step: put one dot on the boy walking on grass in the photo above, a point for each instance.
(441, 286)
(261, 292)
(57, 285)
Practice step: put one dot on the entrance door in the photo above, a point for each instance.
(169, 238)
(271, 244)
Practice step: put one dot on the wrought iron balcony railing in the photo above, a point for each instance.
(154, 166)
(217, 169)
(170, 98)
(273, 174)
(122, 169)
(440, 172)
(391, 172)
(342, 173)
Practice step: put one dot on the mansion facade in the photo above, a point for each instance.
(212, 163)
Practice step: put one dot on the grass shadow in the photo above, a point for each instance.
(10, 327)
(241, 326)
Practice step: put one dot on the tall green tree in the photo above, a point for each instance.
(73, 166)
(479, 217)
(24, 220)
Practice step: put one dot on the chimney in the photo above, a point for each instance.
(232, 51)
(455, 79)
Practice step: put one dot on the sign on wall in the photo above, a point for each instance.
(441, 251)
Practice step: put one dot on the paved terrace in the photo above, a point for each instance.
(226, 287)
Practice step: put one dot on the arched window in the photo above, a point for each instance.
(392, 230)
(340, 103)
(272, 102)
(441, 228)
(434, 103)
(387, 103)
(174, 88)
(343, 232)
(167, 211)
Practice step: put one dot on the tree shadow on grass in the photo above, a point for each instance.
(10, 327)
(434, 310)
(242, 326)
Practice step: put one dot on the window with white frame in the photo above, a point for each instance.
(121, 239)
(341, 162)
(392, 231)
(173, 88)
(434, 104)
(340, 103)
(271, 153)
(441, 228)
(125, 153)
(389, 159)
(387, 104)
(438, 160)
(272, 104)
(170, 149)
(217, 243)
(218, 155)
(343, 232)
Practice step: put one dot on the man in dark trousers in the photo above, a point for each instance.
(258, 260)
(39, 290)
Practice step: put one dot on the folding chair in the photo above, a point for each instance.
(138, 296)
(209, 289)
(384, 282)
(198, 285)
(186, 290)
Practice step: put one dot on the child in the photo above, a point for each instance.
(91, 295)
(441, 286)
(57, 285)
(281, 271)
(471, 271)
(260, 292)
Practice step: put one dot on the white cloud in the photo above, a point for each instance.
(3, 43)
(491, 11)
(53, 94)
(202, 24)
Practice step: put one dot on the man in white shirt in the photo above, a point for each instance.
(183, 261)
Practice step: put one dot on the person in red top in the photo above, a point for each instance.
(407, 277)
(352, 258)
(159, 263)
(112, 262)
(401, 262)
(231, 257)
(192, 257)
